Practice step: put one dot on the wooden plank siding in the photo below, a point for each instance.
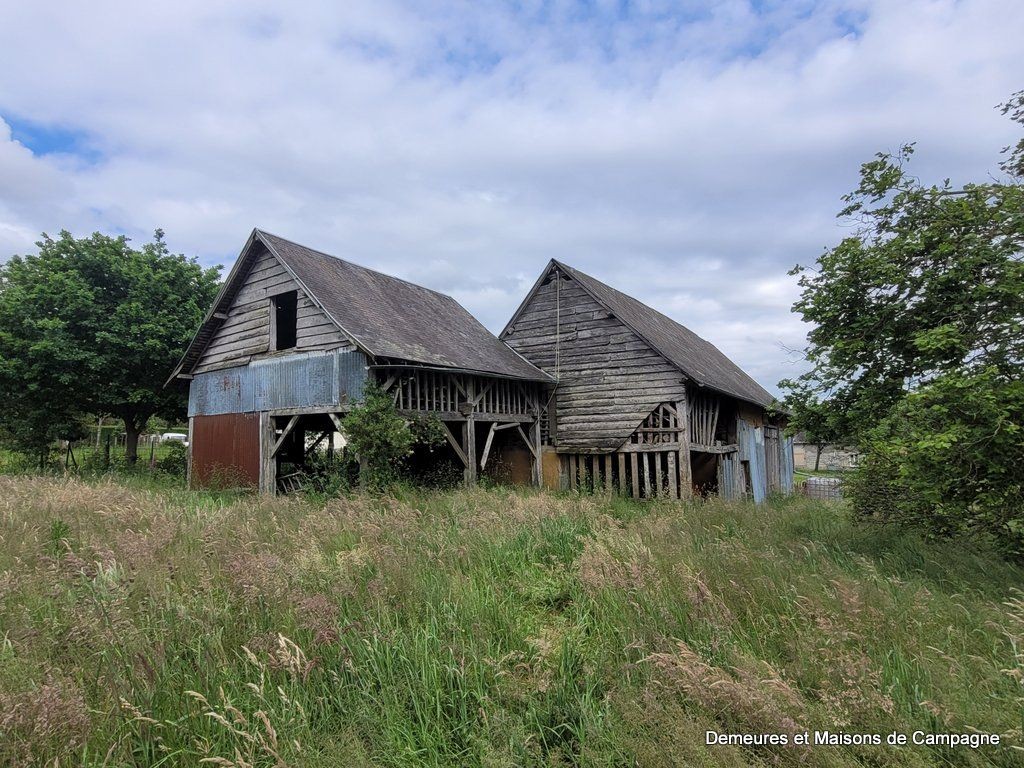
(245, 334)
(609, 378)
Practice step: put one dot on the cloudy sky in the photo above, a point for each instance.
(687, 152)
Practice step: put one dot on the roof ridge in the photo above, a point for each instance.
(703, 380)
(357, 266)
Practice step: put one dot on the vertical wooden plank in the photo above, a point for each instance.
(622, 475)
(673, 476)
(659, 488)
(188, 456)
(636, 477)
(469, 446)
(573, 467)
(608, 472)
(645, 474)
(538, 467)
(685, 471)
(595, 473)
(268, 464)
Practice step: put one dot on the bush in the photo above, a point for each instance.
(175, 462)
(951, 461)
(384, 441)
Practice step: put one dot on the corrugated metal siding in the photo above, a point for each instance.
(226, 450)
(751, 440)
(297, 381)
(787, 465)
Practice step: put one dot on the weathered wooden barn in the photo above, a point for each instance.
(295, 334)
(643, 405)
(586, 389)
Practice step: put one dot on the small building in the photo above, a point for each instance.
(815, 456)
(642, 404)
(294, 336)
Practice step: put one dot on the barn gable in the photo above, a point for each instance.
(341, 305)
(702, 362)
(609, 379)
(244, 334)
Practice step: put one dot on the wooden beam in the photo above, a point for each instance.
(608, 472)
(284, 435)
(685, 471)
(529, 444)
(455, 444)
(636, 477)
(538, 453)
(268, 464)
(337, 422)
(622, 474)
(673, 476)
(487, 445)
(469, 446)
(316, 442)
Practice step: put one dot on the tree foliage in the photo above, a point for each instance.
(383, 440)
(92, 325)
(917, 345)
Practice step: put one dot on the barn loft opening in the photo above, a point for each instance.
(285, 320)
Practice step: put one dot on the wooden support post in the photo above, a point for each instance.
(685, 471)
(645, 474)
(188, 456)
(621, 486)
(538, 456)
(487, 445)
(673, 476)
(469, 446)
(455, 445)
(595, 473)
(268, 464)
(573, 467)
(284, 435)
(608, 472)
(659, 488)
(636, 475)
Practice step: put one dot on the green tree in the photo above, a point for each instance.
(92, 325)
(378, 436)
(819, 419)
(922, 304)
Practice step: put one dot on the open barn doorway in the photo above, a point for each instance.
(704, 467)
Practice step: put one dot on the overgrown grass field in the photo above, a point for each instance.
(488, 627)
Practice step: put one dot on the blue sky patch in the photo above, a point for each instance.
(43, 139)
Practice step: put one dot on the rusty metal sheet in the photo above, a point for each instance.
(302, 380)
(225, 450)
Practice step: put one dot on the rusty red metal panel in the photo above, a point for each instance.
(226, 450)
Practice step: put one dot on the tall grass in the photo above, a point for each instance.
(153, 626)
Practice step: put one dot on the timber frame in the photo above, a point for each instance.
(460, 400)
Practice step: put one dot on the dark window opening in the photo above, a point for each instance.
(285, 308)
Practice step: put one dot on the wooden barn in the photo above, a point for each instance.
(643, 405)
(292, 339)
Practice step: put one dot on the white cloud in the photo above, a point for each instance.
(688, 153)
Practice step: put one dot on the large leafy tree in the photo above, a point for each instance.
(921, 307)
(93, 325)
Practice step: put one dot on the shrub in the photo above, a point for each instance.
(951, 461)
(175, 462)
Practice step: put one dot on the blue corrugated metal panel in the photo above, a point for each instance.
(751, 441)
(303, 380)
(786, 464)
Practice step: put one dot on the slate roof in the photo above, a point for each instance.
(385, 316)
(699, 359)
